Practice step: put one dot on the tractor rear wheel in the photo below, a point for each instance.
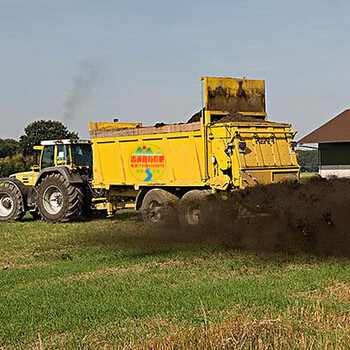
(11, 202)
(58, 200)
(195, 210)
(159, 208)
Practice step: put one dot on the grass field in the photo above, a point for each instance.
(109, 284)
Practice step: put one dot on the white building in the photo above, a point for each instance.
(333, 139)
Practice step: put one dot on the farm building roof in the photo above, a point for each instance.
(335, 130)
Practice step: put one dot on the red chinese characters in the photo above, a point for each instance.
(154, 161)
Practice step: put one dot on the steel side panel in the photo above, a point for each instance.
(268, 150)
(268, 157)
(266, 145)
(183, 160)
(231, 94)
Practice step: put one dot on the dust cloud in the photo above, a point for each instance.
(311, 217)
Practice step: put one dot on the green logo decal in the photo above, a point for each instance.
(147, 163)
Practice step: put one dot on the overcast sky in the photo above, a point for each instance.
(94, 60)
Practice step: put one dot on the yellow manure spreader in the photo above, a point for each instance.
(166, 171)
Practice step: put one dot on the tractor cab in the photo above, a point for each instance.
(74, 154)
(69, 153)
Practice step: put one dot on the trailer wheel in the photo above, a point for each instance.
(159, 208)
(58, 200)
(195, 210)
(11, 202)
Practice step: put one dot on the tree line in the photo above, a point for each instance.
(17, 155)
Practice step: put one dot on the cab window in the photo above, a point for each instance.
(48, 157)
(36, 160)
(82, 154)
(62, 154)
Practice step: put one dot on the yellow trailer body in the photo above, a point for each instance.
(194, 155)
(220, 151)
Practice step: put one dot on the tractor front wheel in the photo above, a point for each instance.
(58, 200)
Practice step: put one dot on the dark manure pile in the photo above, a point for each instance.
(232, 116)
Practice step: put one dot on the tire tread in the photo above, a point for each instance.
(75, 199)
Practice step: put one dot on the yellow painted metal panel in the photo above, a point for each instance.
(232, 94)
(28, 178)
(112, 126)
(178, 159)
(163, 159)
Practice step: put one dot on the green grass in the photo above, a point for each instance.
(115, 284)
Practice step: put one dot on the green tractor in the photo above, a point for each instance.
(57, 189)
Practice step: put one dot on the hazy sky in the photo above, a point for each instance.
(94, 60)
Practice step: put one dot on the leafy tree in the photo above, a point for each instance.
(8, 147)
(308, 160)
(14, 164)
(43, 130)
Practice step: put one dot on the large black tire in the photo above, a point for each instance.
(159, 208)
(11, 202)
(195, 210)
(58, 200)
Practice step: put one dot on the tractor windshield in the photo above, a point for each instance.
(82, 154)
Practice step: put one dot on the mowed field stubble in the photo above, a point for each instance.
(110, 284)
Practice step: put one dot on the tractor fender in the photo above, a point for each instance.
(21, 187)
(74, 178)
